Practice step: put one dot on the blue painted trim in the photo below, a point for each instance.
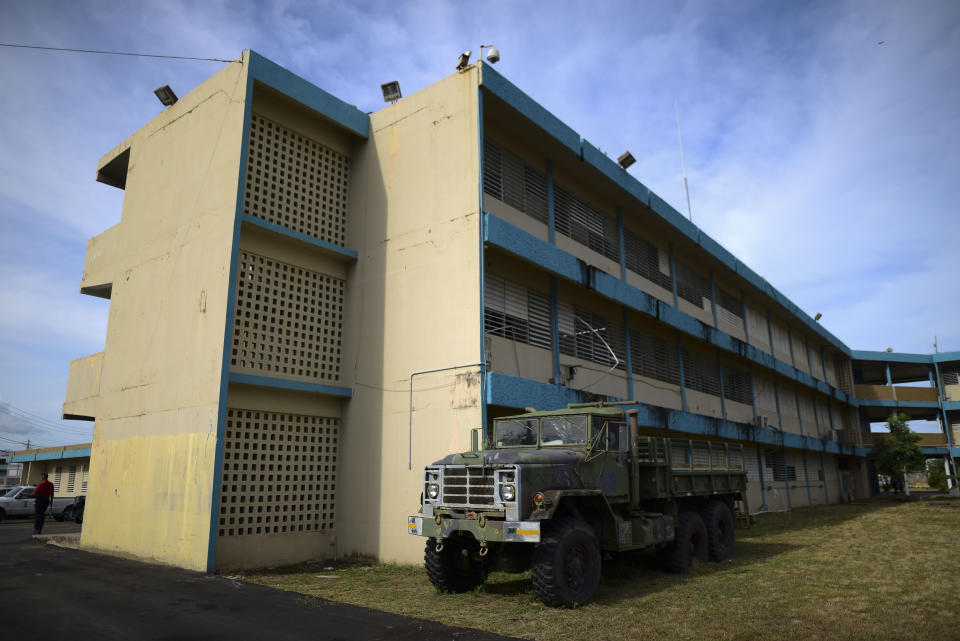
(49, 456)
(612, 170)
(527, 246)
(786, 483)
(551, 211)
(481, 259)
(306, 93)
(946, 357)
(296, 386)
(950, 406)
(713, 300)
(623, 251)
(673, 275)
(317, 243)
(897, 357)
(626, 331)
(499, 86)
(948, 432)
(221, 426)
(895, 404)
(683, 378)
(723, 395)
(941, 451)
(555, 331)
(763, 485)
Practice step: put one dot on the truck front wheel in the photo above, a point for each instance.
(689, 545)
(720, 534)
(457, 567)
(566, 564)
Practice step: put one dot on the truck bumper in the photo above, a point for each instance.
(492, 531)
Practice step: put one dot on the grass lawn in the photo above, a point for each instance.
(883, 569)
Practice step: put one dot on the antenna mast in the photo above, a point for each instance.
(683, 167)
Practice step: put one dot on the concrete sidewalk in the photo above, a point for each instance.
(53, 592)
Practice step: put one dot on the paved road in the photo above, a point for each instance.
(48, 592)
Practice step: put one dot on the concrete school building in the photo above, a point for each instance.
(66, 466)
(309, 303)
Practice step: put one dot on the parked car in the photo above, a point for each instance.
(19, 500)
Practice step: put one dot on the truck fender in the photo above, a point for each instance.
(588, 505)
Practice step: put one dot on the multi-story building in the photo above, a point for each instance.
(67, 467)
(308, 303)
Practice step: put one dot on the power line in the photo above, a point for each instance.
(115, 53)
(39, 421)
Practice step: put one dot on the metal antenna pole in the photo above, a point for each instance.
(683, 167)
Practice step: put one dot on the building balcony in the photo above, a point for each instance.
(83, 388)
(897, 393)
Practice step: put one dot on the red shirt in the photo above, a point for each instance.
(44, 489)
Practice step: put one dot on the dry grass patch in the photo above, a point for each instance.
(878, 570)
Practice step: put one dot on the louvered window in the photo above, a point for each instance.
(701, 373)
(729, 308)
(816, 368)
(788, 403)
(800, 354)
(950, 375)
(515, 312)
(766, 396)
(586, 225)
(586, 335)
(654, 357)
(776, 461)
(781, 339)
(507, 178)
(647, 260)
(693, 287)
(736, 385)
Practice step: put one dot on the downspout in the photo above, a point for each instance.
(481, 268)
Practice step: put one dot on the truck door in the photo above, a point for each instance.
(614, 475)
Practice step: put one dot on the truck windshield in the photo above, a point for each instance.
(563, 430)
(516, 433)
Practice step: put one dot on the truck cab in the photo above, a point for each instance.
(553, 490)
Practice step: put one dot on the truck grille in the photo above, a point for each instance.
(468, 486)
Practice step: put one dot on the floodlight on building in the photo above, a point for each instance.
(464, 59)
(391, 91)
(626, 159)
(165, 95)
(818, 316)
(493, 56)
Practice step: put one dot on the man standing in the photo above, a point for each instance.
(43, 494)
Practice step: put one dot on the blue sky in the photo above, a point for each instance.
(825, 160)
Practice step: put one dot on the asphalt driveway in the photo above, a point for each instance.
(49, 592)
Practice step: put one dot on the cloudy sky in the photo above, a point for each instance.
(821, 139)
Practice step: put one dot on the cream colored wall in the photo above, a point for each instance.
(413, 303)
(83, 386)
(152, 465)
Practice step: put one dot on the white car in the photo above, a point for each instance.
(19, 500)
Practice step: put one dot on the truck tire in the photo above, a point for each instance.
(566, 564)
(689, 546)
(720, 531)
(457, 567)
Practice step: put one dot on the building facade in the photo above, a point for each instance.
(309, 303)
(66, 466)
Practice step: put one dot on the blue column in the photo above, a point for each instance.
(786, 468)
(673, 276)
(793, 359)
(746, 320)
(683, 383)
(555, 337)
(626, 332)
(803, 452)
(713, 299)
(763, 489)
(723, 396)
(623, 248)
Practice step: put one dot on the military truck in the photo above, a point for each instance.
(554, 491)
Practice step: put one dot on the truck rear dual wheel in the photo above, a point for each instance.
(457, 567)
(689, 546)
(566, 564)
(720, 530)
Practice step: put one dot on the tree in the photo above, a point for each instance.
(898, 453)
(936, 475)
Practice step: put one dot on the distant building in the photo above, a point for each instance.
(67, 467)
(287, 268)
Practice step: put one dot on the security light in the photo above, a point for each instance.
(493, 56)
(464, 59)
(391, 91)
(165, 95)
(818, 316)
(626, 159)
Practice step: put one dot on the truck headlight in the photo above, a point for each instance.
(508, 492)
(433, 490)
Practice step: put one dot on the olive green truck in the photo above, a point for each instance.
(552, 491)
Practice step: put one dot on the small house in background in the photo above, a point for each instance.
(67, 467)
